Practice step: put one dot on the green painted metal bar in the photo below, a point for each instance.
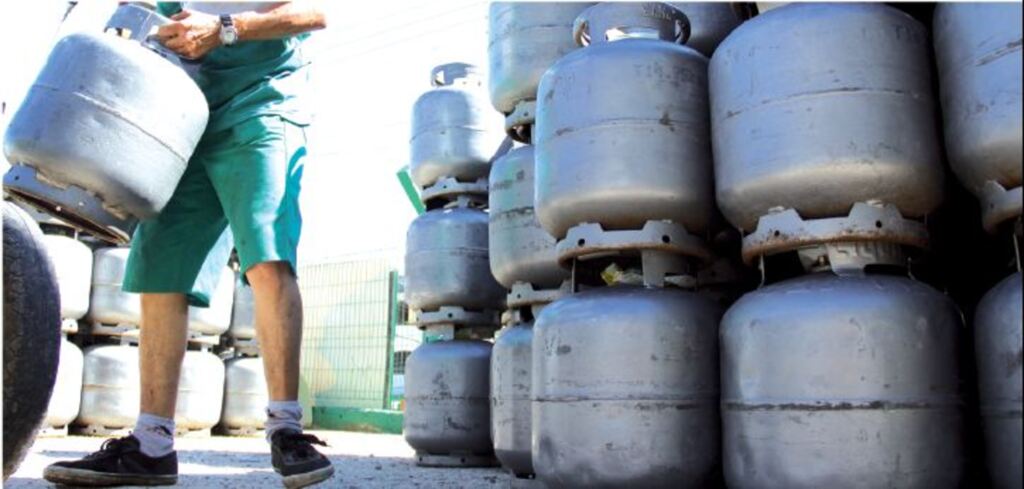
(410, 190)
(393, 313)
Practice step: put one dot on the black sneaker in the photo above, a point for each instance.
(118, 463)
(294, 457)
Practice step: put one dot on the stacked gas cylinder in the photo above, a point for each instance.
(448, 281)
(110, 398)
(99, 392)
(525, 40)
(830, 149)
(841, 369)
(625, 370)
(72, 264)
(609, 216)
(978, 52)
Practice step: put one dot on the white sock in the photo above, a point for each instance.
(283, 415)
(155, 435)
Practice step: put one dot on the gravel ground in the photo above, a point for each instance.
(360, 460)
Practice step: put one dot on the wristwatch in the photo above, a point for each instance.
(228, 32)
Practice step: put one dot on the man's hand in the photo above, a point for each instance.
(191, 34)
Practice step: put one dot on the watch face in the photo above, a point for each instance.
(229, 36)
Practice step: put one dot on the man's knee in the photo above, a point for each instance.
(273, 274)
(163, 302)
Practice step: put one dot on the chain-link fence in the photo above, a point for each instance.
(348, 339)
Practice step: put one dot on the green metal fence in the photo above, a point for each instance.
(350, 308)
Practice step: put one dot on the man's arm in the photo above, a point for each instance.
(193, 34)
(279, 21)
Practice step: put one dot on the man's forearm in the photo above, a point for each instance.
(284, 20)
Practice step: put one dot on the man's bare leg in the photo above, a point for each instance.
(147, 457)
(162, 340)
(278, 315)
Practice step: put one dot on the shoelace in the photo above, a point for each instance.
(301, 443)
(113, 446)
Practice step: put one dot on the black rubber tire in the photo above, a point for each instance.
(31, 333)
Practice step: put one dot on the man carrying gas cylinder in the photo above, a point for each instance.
(241, 190)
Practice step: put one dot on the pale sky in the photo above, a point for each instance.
(369, 67)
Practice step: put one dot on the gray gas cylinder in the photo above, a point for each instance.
(622, 130)
(511, 377)
(446, 261)
(997, 343)
(108, 304)
(455, 133)
(200, 391)
(815, 107)
(625, 389)
(520, 250)
(106, 130)
(243, 324)
(842, 381)
(977, 48)
(72, 262)
(216, 319)
(245, 394)
(110, 387)
(447, 411)
(524, 40)
(710, 23)
(67, 390)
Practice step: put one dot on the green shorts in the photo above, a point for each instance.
(241, 189)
